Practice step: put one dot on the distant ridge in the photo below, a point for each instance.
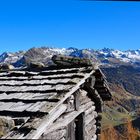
(105, 56)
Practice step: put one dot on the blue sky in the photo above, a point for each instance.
(69, 23)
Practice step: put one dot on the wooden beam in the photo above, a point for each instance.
(46, 122)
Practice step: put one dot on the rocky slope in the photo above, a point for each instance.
(126, 76)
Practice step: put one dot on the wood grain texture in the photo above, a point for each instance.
(49, 98)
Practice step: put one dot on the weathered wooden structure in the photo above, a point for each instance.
(55, 103)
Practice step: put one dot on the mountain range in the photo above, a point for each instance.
(105, 56)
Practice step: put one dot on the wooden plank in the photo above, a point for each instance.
(36, 82)
(16, 73)
(56, 135)
(75, 80)
(31, 97)
(34, 88)
(74, 89)
(23, 88)
(19, 73)
(90, 126)
(90, 117)
(62, 71)
(29, 107)
(4, 106)
(3, 73)
(71, 69)
(85, 100)
(77, 101)
(66, 118)
(46, 122)
(39, 77)
(59, 76)
(19, 107)
(36, 107)
(10, 96)
(11, 106)
(89, 110)
(48, 107)
(39, 96)
(90, 134)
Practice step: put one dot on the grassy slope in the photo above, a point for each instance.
(116, 117)
(120, 108)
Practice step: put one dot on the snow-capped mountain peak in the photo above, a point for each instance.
(103, 56)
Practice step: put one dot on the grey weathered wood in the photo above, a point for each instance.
(77, 101)
(17, 72)
(74, 89)
(71, 70)
(67, 70)
(34, 88)
(67, 118)
(27, 96)
(10, 106)
(48, 107)
(59, 76)
(36, 106)
(34, 82)
(45, 123)
(85, 100)
(56, 135)
(39, 77)
(75, 80)
(90, 110)
(29, 107)
(70, 104)
(90, 126)
(39, 125)
(89, 134)
(3, 73)
(90, 117)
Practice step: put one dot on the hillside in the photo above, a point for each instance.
(120, 115)
(126, 76)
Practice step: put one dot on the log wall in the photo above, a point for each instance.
(64, 127)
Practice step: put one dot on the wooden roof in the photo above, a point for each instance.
(30, 98)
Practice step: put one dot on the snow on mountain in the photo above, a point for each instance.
(11, 57)
(44, 54)
(130, 56)
(3, 56)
